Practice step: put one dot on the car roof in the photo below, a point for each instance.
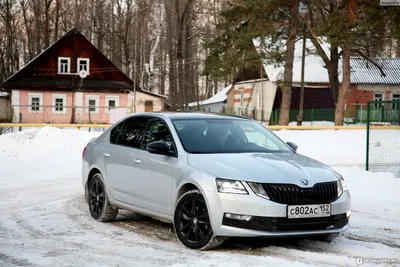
(193, 115)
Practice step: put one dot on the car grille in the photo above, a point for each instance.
(292, 194)
(283, 224)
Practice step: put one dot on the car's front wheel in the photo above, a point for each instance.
(192, 222)
(99, 206)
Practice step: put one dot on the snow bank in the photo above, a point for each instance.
(333, 147)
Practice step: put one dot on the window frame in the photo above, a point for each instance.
(92, 97)
(59, 65)
(241, 96)
(396, 105)
(376, 99)
(59, 96)
(79, 59)
(35, 95)
(116, 98)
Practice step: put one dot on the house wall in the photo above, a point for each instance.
(5, 109)
(359, 95)
(213, 108)
(258, 96)
(47, 113)
(141, 98)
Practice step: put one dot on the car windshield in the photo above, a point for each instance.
(206, 136)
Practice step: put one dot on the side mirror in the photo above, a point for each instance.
(293, 146)
(160, 148)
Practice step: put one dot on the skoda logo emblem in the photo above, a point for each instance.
(304, 181)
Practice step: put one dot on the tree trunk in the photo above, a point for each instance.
(343, 89)
(288, 74)
(398, 47)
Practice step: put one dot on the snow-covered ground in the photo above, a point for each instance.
(44, 219)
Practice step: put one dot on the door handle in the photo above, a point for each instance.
(137, 161)
(106, 154)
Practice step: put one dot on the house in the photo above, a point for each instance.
(367, 84)
(73, 82)
(5, 108)
(252, 98)
(215, 104)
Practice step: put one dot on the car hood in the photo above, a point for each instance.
(264, 168)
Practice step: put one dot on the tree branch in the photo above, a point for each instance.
(370, 60)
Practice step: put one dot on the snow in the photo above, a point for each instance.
(44, 219)
(218, 97)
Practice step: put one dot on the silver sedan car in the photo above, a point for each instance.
(212, 177)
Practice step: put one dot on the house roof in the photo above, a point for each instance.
(362, 71)
(217, 98)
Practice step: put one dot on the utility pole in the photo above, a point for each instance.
(303, 59)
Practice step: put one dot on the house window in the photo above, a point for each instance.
(378, 97)
(64, 65)
(59, 102)
(241, 98)
(148, 106)
(112, 101)
(83, 64)
(35, 102)
(92, 103)
(396, 97)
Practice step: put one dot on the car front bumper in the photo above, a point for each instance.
(270, 218)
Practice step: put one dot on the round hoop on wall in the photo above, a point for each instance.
(83, 74)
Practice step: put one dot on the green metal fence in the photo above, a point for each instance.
(309, 115)
(383, 136)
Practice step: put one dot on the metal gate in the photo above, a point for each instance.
(383, 136)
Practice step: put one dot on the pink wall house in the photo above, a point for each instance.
(73, 82)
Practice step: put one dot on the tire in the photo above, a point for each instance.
(328, 238)
(192, 223)
(99, 206)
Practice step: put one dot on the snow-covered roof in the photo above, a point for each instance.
(217, 98)
(362, 71)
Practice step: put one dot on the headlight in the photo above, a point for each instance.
(341, 185)
(230, 186)
(258, 190)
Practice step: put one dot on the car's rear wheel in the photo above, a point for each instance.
(192, 222)
(99, 206)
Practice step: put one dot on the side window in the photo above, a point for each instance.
(132, 132)
(157, 130)
(115, 132)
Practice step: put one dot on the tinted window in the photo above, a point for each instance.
(157, 130)
(227, 136)
(132, 132)
(115, 132)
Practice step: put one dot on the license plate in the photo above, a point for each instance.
(309, 211)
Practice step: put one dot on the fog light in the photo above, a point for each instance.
(348, 213)
(238, 217)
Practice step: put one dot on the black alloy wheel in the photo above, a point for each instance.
(96, 198)
(192, 222)
(99, 206)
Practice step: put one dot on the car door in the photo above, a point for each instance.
(155, 179)
(119, 155)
